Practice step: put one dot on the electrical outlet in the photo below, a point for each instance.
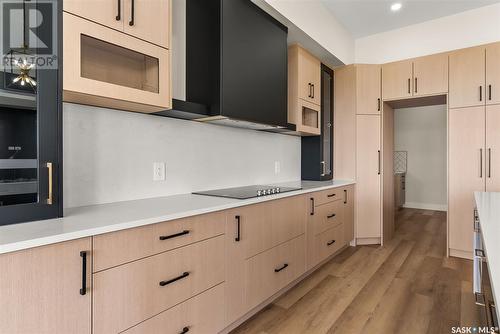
(159, 171)
(277, 167)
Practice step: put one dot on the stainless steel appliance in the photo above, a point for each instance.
(247, 192)
(481, 281)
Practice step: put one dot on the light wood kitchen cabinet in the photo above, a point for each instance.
(492, 148)
(327, 216)
(368, 172)
(106, 12)
(116, 248)
(467, 78)
(466, 173)
(397, 80)
(202, 314)
(344, 123)
(430, 75)
(148, 20)
(368, 89)
(493, 74)
(126, 295)
(349, 214)
(107, 68)
(41, 289)
(304, 91)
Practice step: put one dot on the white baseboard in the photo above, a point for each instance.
(426, 206)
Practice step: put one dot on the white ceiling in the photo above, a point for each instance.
(368, 17)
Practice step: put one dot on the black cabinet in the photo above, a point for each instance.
(317, 152)
(30, 113)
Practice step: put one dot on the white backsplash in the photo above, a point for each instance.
(109, 156)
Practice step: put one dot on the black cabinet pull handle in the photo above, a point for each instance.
(345, 196)
(312, 90)
(331, 195)
(312, 206)
(170, 281)
(480, 93)
(378, 108)
(119, 14)
(409, 84)
(331, 242)
(489, 92)
(331, 216)
(132, 5)
(281, 268)
(166, 237)
(184, 330)
(238, 228)
(379, 162)
(416, 82)
(83, 290)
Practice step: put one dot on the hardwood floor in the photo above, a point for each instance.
(407, 286)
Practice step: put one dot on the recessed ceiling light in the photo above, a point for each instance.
(396, 6)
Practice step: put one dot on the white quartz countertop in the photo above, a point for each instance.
(92, 220)
(488, 208)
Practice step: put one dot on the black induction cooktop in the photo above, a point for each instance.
(247, 192)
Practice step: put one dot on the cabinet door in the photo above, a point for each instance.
(493, 74)
(309, 77)
(430, 75)
(466, 173)
(397, 80)
(493, 148)
(348, 214)
(107, 68)
(368, 176)
(148, 20)
(40, 290)
(106, 12)
(467, 78)
(368, 89)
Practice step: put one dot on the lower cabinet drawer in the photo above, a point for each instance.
(272, 270)
(328, 216)
(327, 196)
(328, 242)
(129, 294)
(202, 314)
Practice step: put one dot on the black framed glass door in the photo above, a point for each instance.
(30, 111)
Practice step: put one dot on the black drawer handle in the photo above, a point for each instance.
(281, 268)
(170, 281)
(238, 228)
(345, 196)
(331, 216)
(132, 17)
(184, 330)
(119, 13)
(83, 290)
(312, 206)
(331, 195)
(166, 237)
(331, 242)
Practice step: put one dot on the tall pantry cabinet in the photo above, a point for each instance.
(474, 140)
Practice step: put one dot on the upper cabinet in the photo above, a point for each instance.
(368, 89)
(416, 77)
(145, 19)
(467, 77)
(397, 80)
(430, 75)
(304, 91)
(493, 73)
(106, 66)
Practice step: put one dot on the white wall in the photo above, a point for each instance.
(109, 155)
(422, 132)
(314, 18)
(474, 27)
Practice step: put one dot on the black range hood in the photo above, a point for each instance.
(236, 66)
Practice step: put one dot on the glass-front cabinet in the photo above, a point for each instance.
(30, 112)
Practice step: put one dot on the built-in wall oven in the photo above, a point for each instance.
(481, 281)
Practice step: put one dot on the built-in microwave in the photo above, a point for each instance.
(483, 293)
